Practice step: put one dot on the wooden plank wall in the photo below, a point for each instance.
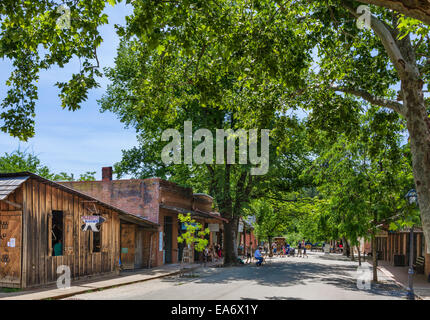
(15, 197)
(39, 266)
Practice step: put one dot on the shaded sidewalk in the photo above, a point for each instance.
(101, 282)
(400, 275)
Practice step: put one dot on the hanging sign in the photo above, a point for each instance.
(92, 222)
(213, 227)
(240, 229)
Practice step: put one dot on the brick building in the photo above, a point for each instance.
(246, 237)
(158, 201)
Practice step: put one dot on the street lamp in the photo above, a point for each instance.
(412, 197)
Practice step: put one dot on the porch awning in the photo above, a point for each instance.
(193, 213)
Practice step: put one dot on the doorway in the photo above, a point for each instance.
(167, 239)
(127, 243)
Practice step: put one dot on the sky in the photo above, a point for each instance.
(80, 141)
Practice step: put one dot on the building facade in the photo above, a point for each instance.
(158, 201)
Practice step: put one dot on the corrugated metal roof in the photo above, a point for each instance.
(9, 185)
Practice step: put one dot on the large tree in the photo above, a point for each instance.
(156, 88)
(315, 54)
(311, 51)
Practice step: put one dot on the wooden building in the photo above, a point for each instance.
(394, 247)
(42, 228)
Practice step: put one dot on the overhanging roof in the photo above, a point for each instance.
(23, 176)
(9, 184)
(192, 212)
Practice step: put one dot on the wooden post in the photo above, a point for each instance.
(418, 246)
(150, 249)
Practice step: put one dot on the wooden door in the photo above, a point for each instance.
(128, 243)
(10, 248)
(168, 239)
(138, 261)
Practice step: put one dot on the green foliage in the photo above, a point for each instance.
(269, 220)
(364, 180)
(30, 37)
(194, 235)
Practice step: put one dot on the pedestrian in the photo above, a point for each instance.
(214, 253)
(299, 249)
(274, 248)
(258, 256)
(304, 250)
(206, 255)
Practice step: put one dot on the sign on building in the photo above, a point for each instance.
(213, 227)
(240, 229)
(92, 222)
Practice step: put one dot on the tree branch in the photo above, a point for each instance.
(403, 68)
(419, 10)
(393, 105)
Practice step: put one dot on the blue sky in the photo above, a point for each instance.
(80, 141)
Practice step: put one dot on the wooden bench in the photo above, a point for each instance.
(419, 265)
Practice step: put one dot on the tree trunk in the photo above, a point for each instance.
(374, 258)
(270, 247)
(352, 253)
(230, 243)
(359, 255)
(346, 249)
(418, 127)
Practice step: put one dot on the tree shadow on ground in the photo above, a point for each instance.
(292, 273)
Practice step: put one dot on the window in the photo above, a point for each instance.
(57, 233)
(97, 241)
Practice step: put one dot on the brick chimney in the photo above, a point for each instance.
(107, 174)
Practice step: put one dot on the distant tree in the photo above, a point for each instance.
(364, 179)
(19, 161)
(270, 220)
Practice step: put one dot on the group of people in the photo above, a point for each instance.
(287, 250)
(212, 253)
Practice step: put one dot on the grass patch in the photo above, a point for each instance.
(9, 290)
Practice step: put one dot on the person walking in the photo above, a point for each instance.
(299, 249)
(206, 256)
(304, 249)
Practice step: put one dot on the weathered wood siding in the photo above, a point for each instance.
(38, 264)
